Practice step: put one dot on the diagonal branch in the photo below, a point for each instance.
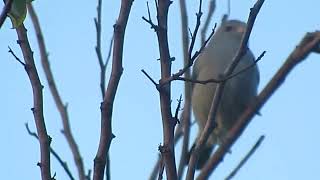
(218, 93)
(56, 95)
(246, 158)
(307, 45)
(5, 11)
(54, 153)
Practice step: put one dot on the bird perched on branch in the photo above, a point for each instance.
(239, 91)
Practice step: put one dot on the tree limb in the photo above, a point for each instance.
(106, 135)
(56, 95)
(37, 109)
(308, 44)
(5, 11)
(218, 93)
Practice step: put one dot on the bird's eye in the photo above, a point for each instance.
(228, 28)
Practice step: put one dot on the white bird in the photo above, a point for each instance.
(238, 92)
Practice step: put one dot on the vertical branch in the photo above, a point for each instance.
(168, 123)
(177, 135)
(107, 104)
(102, 65)
(37, 109)
(5, 11)
(218, 93)
(212, 7)
(304, 48)
(56, 95)
(97, 22)
(186, 114)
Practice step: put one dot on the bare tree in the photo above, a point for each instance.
(173, 126)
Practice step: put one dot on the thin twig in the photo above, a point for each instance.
(177, 76)
(178, 109)
(307, 45)
(56, 95)
(37, 109)
(186, 114)
(218, 93)
(16, 57)
(54, 153)
(102, 64)
(149, 20)
(106, 134)
(177, 135)
(194, 34)
(103, 67)
(109, 52)
(246, 158)
(150, 78)
(212, 7)
(161, 169)
(5, 11)
(229, 8)
(223, 79)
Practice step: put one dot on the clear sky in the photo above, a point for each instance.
(289, 119)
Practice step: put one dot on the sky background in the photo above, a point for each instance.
(290, 119)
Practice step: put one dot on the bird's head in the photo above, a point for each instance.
(232, 28)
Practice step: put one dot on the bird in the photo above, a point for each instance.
(239, 91)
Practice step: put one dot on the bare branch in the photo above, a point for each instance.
(212, 7)
(103, 67)
(102, 64)
(161, 169)
(5, 11)
(177, 76)
(168, 122)
(246, 68)
(106, 135)
(150, 78)
(56, 95)
(308, 44)
(218, 93)
(222, 79)
(186, 114)
(194, 34)
(16, 57)
(54, 153)
(109, 52)
(246, 158)
(177, 135)
(149, 20)
(37, 102)
(178, 109)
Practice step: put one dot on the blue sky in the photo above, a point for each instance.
(289, 119)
